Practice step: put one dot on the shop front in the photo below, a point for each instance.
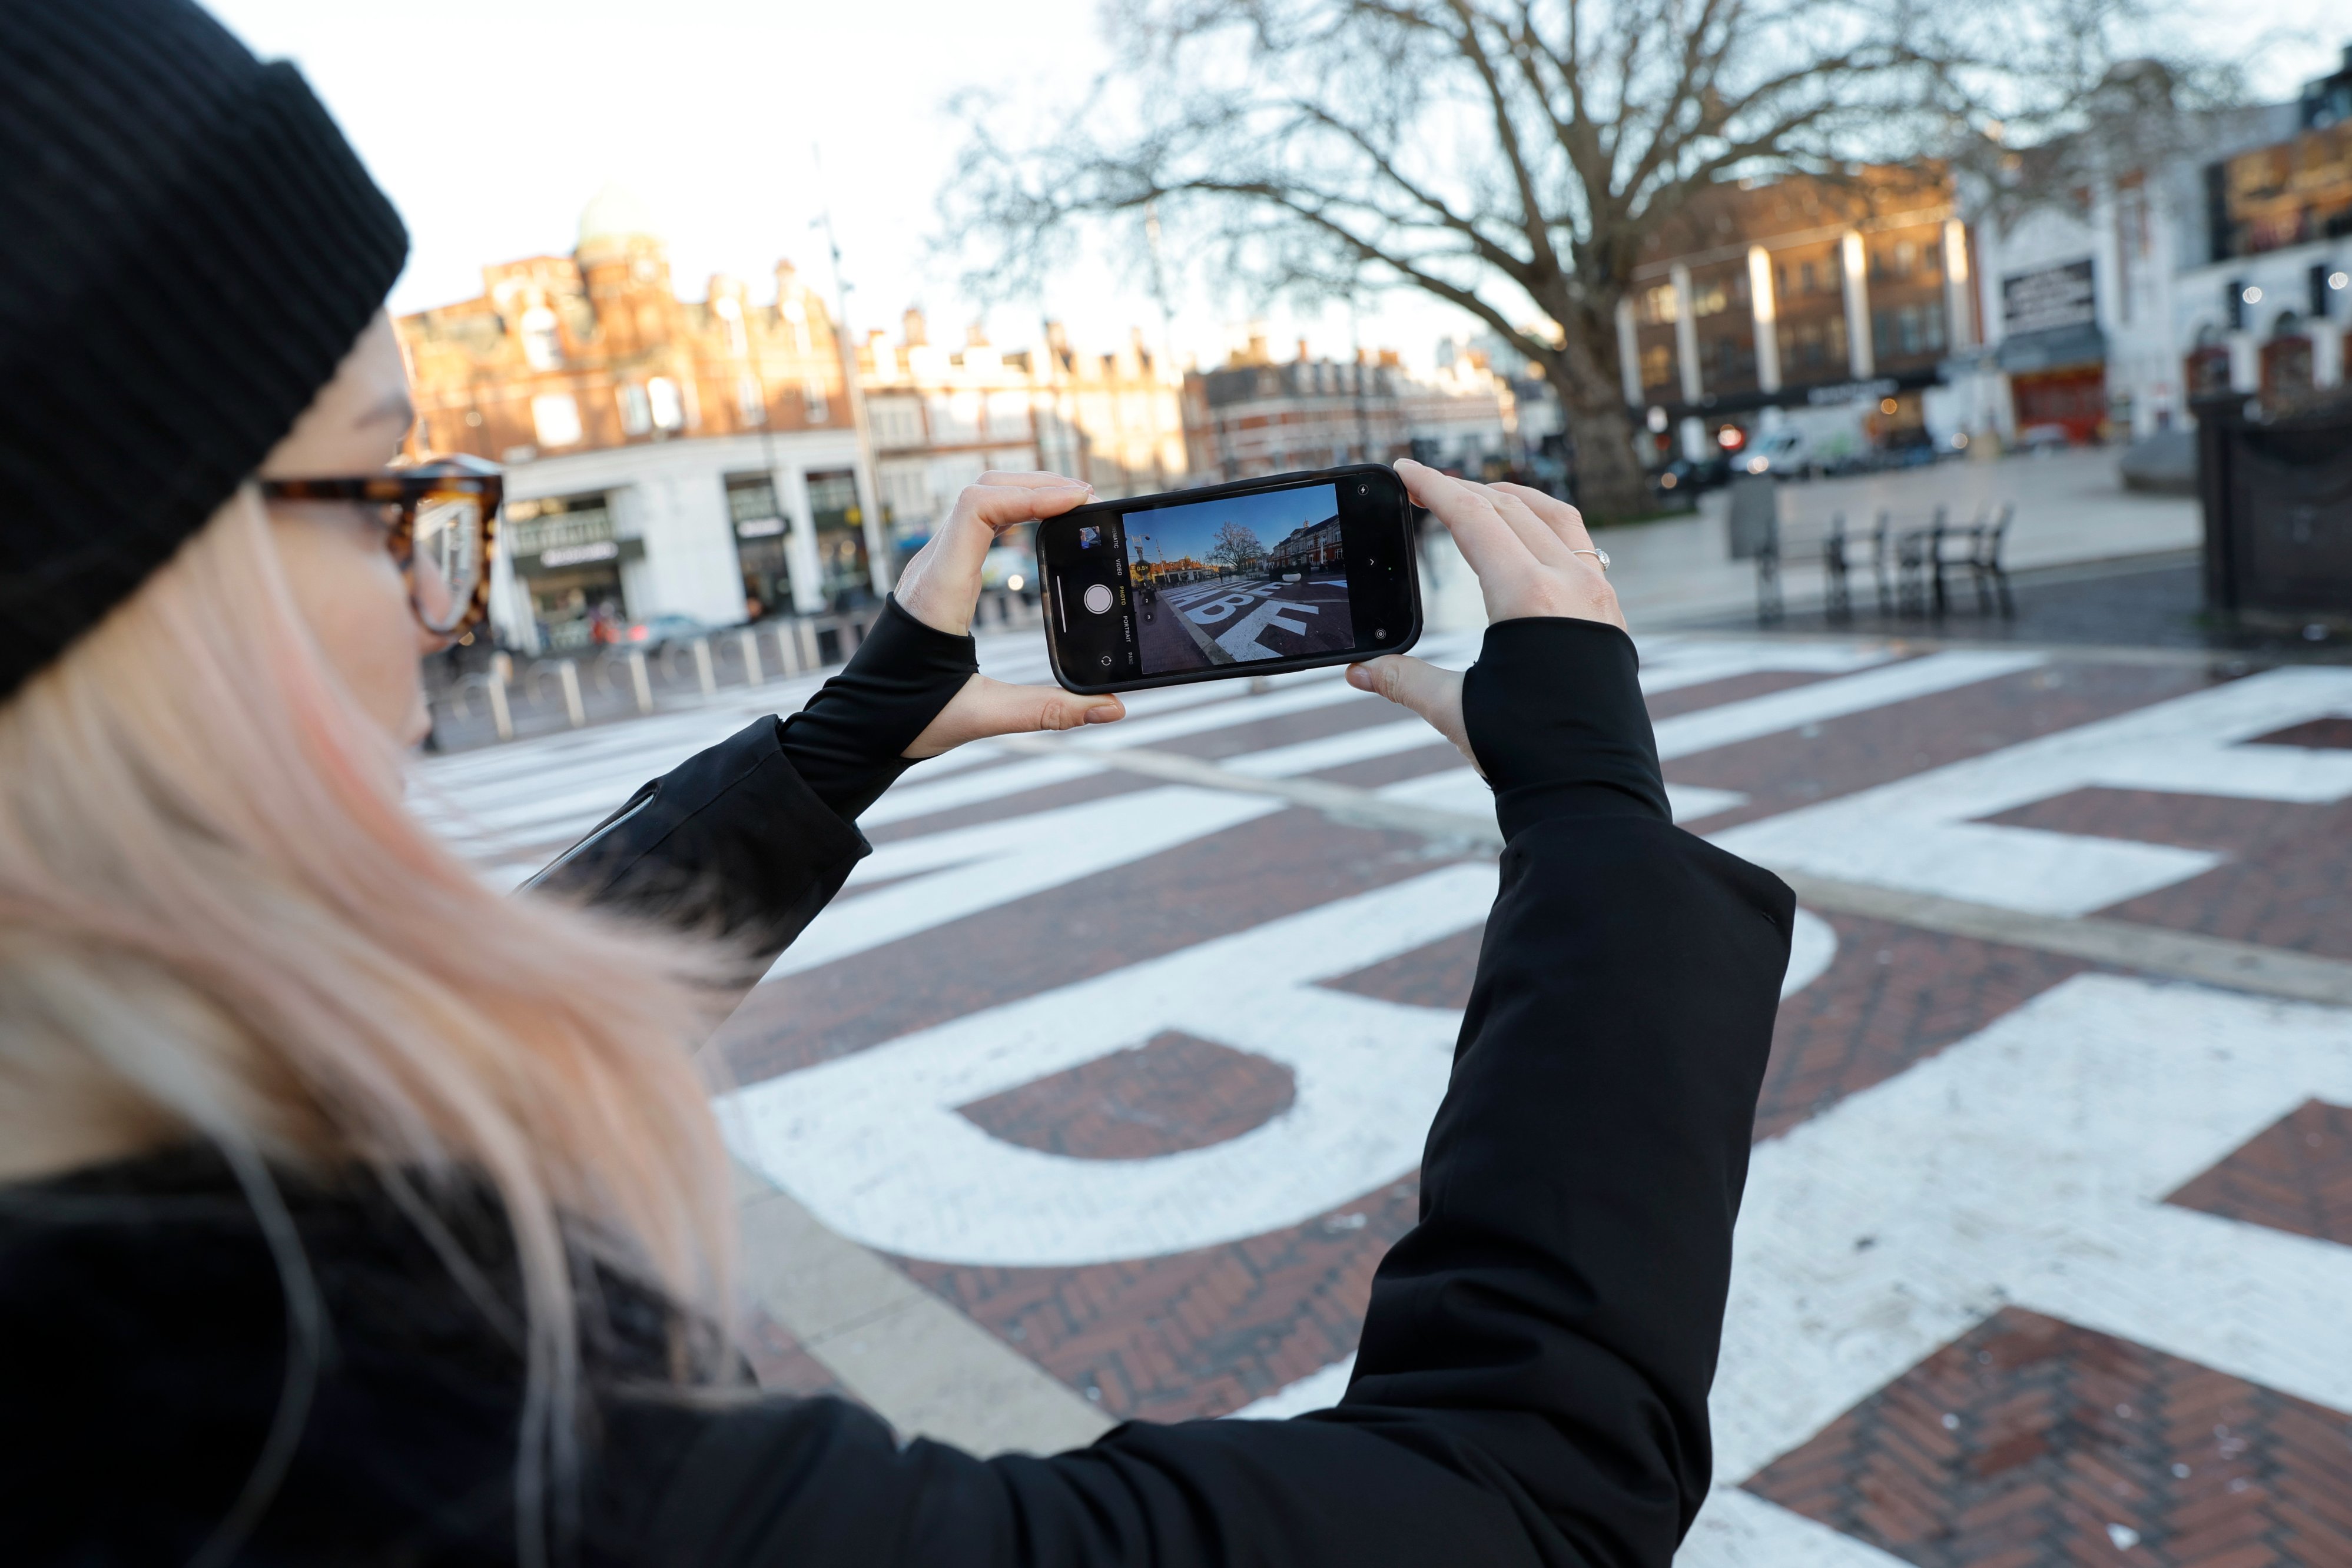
(762, 544)
(846, 570)
(2053, 354)
(2286, 360)
(565, 556)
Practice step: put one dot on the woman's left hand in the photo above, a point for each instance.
(940, 588)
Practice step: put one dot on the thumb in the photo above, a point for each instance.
(1432, 692)
(986, 708)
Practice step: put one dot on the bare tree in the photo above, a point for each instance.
(1512, 157)
(1236, 547)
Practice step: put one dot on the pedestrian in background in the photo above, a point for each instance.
(352, 1213)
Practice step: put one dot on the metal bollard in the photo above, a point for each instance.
(806, 636)
(501, 717)
(788, 648)
(853, 633)
(568, 672)
(752, 675)
(640, 680)
(702, 670)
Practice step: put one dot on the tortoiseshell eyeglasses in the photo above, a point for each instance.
(441, 524)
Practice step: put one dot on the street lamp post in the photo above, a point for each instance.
(881, 569)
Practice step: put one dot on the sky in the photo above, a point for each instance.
(492, 123)
(1175, 532)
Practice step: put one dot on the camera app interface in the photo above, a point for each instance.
(1249, 577)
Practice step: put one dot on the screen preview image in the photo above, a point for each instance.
(1248, 577)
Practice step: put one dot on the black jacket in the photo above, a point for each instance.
(1531, 1387)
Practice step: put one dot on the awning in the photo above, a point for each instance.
(2060, 347)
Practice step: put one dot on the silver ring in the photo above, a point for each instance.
(1599, 555)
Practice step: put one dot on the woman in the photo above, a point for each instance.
(354, 1214)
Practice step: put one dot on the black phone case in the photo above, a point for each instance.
(1256, 666)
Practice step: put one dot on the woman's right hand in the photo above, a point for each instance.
(1523, 545)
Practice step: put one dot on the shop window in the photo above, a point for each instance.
(542, 347)
(555, 419)
(2208, 371)
(730, 311)
(751, 506)
(1658, 307)
(1008, 412)
(1657, 365)
(1910, 330)
(661, 401)
(636, 411)
(896, 421)
(1816, 347)
(2286, 362)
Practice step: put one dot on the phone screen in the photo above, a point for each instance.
(1234, 580)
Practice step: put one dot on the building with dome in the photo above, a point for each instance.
(669, 456)
(666, 456)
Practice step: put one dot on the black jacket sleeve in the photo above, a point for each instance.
(1533, 1377)
(751, 838)
(849, 741)
(731, 841)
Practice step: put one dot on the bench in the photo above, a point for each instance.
(1908, 567)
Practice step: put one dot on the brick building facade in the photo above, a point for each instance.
(1831, 302)
(941, 416)
(1251, 416)
(666, 456)
(701, 458)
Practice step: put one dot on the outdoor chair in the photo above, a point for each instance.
(1919, 564)
(1984, 563)
(1838, 564)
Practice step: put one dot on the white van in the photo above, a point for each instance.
(1785, 454)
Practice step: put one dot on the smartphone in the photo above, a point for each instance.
(1287, 572)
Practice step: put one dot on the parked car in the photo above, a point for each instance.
(1015, 570)
(1783, 453)
(655, 630)
(1683, 478)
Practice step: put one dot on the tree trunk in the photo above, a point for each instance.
(1609, 474)
(1611, 484)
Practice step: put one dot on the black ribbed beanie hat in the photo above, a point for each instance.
(191, 249)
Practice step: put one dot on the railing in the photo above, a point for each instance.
(512, 698)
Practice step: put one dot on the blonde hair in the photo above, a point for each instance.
(218, 919)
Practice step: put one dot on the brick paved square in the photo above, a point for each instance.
(1895, 995)
(1194, 1334)
(1840, 755)
(1015, 885)
(1172, 1092)
(781, 1365)
(2286, 881)
(2293, 1176)
(2030, 1441)
(2333, 733)
(1277, 864)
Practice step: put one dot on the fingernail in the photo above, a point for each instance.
(1360, 677)
(1101, 714)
